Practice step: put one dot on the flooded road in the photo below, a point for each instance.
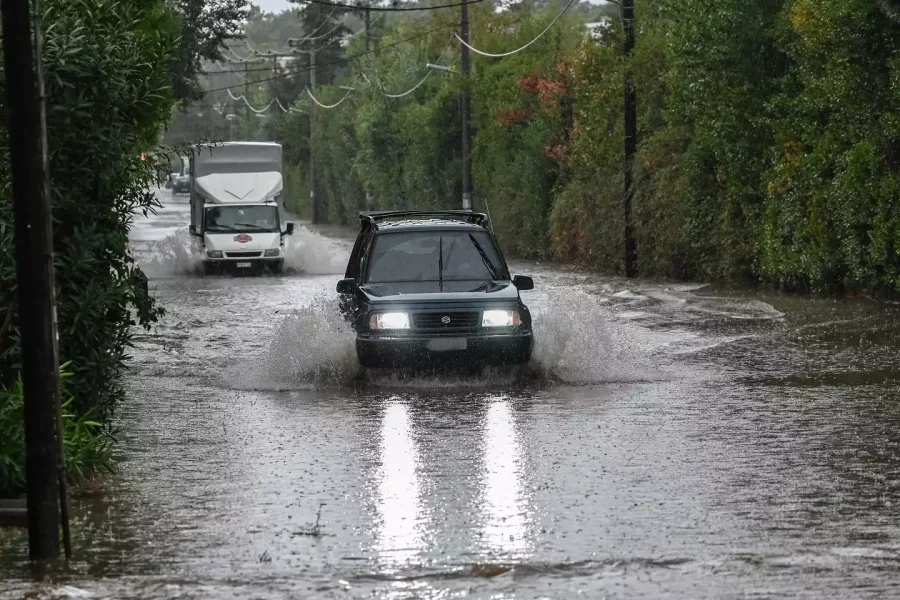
(673, 441)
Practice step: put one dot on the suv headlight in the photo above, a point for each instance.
(500, 318)
(214, 253)
(272, 252)
(391, 320)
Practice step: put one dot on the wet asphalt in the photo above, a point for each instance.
(671, 441)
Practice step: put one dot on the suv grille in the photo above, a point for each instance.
(242, 254)
(446, 321)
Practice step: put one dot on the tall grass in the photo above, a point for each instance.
(88, 442)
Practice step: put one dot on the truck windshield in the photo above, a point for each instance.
(247, 219)
(434, 256)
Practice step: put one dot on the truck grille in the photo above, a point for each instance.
(243, 254)
(446, 321)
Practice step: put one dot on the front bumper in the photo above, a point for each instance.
(241, 264)
(413, 351)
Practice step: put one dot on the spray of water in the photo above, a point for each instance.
(576, 343)
(578, 340)
(313, 347)
(314, 254)
(171, 256)
(178, 255)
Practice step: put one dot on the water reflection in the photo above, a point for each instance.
(399, 536)
(506, 519)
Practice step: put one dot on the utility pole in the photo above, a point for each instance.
(313, 201)
(368, 18)
(246, 101)
(465, 109)
(37, 297)
(630, 139)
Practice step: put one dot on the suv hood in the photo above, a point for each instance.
(437, 291)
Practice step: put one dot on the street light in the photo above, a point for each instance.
(441, 68)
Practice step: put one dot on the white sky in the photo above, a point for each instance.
(275, 6)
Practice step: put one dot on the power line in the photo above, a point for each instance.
(335, 105)
(511, 52)
(343, 60)
(359, 6)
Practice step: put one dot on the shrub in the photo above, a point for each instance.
(108, 98)
(88, 442)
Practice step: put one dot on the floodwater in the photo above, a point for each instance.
(672, 441)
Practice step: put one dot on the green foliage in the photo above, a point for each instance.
(769, 141)
(109, 95)
(88, 443)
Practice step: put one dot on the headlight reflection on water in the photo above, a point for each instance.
(506, 520)
(399, 536)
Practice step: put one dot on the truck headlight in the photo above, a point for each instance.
(272, 252)
(391, 320)
(500, 318)
(214, 253)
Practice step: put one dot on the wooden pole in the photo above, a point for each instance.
(34, 254)
(465, 109)
(630, 139)
(313, 200)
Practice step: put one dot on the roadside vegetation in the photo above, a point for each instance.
(769, 147)
(113, 70)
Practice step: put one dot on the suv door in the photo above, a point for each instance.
(349, 304)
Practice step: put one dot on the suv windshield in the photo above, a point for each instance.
(247, 219)
(434, 256)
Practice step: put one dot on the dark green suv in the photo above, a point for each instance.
(428, 287)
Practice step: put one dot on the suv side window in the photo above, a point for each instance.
(359, 249)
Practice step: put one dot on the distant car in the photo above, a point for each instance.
(182, 184)
(427, 287)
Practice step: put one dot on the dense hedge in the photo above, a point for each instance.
(769, 139)
(107, 68)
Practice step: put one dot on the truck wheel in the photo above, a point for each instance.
(277, 268)
(210, 268)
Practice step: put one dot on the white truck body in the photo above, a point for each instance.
(236, 205)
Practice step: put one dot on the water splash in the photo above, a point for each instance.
(576, 343)
(313, 347)
(311, 253)
(577, 340)
(178, 254)
(171, 256)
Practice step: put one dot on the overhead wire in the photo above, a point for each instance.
(511, 52)
(343, 60)
(328, 106)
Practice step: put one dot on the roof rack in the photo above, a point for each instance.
(462, 215)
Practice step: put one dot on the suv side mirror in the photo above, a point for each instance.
(523, 283)
(346, 286)
(289, 229)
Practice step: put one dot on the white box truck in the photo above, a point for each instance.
(237, 210)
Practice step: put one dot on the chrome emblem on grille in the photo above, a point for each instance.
(445, 320)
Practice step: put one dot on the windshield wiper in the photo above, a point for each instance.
(226, 227)
(259, 227)
(484, 258)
